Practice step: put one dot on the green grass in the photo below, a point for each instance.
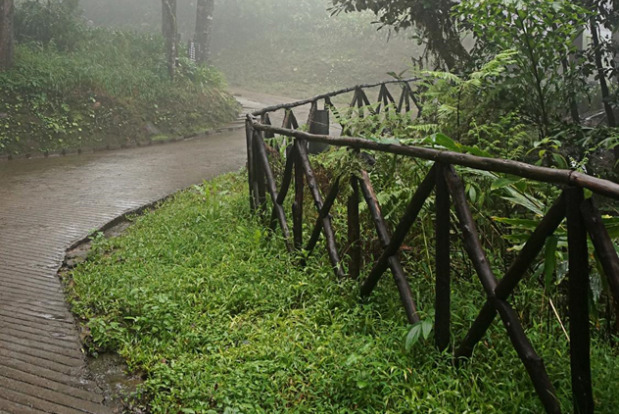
(218, 318)
(112, 88)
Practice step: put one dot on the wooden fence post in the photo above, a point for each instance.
(442, 322)
(297, 204)
(578, 303)
(354, 230)
(249, 136)
(259, 175)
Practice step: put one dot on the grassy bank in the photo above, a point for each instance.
(218, 318)
(108, 88)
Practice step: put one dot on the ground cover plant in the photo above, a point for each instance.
(75, 87)
(205, 304)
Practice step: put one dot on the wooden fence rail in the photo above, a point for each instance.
(442, 179)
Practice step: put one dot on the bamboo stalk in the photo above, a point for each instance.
(259, 178)
(442, 320)
(278, 210)
(578, 303)
(354, 231)
(406, 222)
(531, 360)
(327, 95)
(520, 169)
(266, 120)
(603, 245)
(406, 94)
(324, 212)
(364, 98)
(399, 277)
(415, 100)
(387, 97)
(471, 242)
(327, 227)
(249, 133)
(287, 177)
(297, 205)
(381, 98)
(514, 274)
(355, 99)
(290, 120)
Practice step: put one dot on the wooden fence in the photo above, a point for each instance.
(581, 214)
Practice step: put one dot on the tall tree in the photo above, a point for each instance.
(169, 30)
(6, 33)
(204, 27)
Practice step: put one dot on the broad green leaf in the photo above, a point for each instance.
(426, 327)
(517, 222)
(444, 141)
(503, 182)
(521, 200)
(413, 336)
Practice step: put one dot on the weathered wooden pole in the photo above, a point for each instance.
(514, 274)
(297, 204)
(354, 230)
(530, 359)
(259, 175)
(442, 320)
(603, 246)
(249, 136)
(578, 303)
(278, 210)
(324, 212)
(406, 222)
(406, 296)
(549, 175)
(327, 227)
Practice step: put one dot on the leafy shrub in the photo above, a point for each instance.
(107, 89)
(48, 22)
(199, 297)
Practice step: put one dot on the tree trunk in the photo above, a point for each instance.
(204, 25)
(6, 33)
(170, 33)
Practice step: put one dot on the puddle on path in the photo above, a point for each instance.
(110, 373)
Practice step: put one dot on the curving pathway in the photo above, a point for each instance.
(45, 206)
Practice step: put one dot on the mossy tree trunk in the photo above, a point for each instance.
(169, 30)
(204, 25)
(6, 33)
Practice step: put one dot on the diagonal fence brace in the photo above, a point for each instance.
(406, 222)
(514, 275)
(531, 360)
(399, 276)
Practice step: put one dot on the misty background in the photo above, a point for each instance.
(292, 47)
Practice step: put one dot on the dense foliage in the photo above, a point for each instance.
(77, 87)
(431, 20)
(200, 299)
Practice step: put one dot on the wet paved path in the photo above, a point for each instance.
(45, 206)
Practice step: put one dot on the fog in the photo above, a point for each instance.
(289, 46)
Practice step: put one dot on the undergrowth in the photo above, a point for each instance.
(206, 304)
(111, 88)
